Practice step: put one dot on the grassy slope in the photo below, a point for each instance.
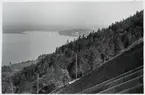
(125, 61)
(20, 66)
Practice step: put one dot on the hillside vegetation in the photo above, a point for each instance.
(126, 60)
(90, 52)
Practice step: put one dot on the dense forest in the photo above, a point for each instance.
(89, 52)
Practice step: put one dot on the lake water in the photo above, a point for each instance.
(29, 45)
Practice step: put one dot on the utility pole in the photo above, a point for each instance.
(11, 80)
(76, 66)
(37, 83)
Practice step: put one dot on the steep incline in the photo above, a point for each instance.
(127, 60)
(93, 54)
(119, 81)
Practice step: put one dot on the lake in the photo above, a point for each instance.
(30, 44)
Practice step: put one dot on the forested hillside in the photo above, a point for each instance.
(59, 67)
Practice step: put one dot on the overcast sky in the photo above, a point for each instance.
(60, 13)
(20, 47)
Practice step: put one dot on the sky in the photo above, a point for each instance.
(67, 13)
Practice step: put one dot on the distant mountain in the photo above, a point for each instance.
(89, 52)
(23, 28)
(75, 32)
